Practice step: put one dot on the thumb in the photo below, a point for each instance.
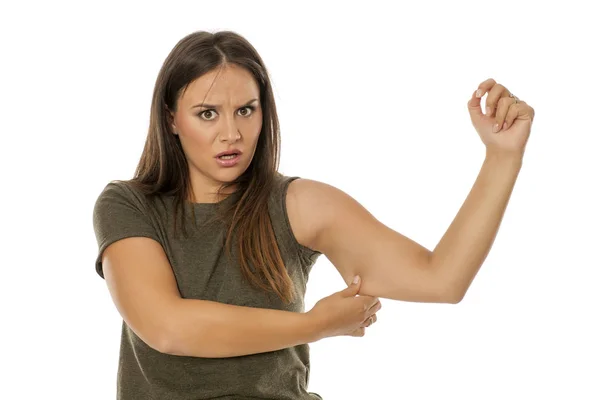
(352, 290)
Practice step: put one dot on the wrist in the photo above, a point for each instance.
(312, 327)
(514, 159)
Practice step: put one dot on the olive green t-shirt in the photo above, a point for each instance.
(202, 271)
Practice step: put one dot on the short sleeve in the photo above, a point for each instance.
(279, 206)
(119, 213)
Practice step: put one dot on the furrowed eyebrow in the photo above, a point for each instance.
(216, 106)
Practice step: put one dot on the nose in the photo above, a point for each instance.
(230, 131)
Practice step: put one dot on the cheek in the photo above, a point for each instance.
(192, 125)
(195, 139)
(195, 143)
(194, 129)
(255, 124)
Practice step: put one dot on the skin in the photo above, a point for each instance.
(324, 218)
(392, 265)
(205, 132)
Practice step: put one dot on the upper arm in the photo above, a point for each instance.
(132, 261)
(142, 286)
(390, 264)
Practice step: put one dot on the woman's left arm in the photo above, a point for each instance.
(467, 242)
(392, 265)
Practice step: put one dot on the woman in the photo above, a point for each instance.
(207, 250)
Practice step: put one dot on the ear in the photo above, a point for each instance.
(172, 121)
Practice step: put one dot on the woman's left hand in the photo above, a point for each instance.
(505, 127)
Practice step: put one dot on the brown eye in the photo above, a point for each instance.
(248, 111)
(205, 115)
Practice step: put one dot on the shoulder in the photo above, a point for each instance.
(115, 189)
(313, 206)
(122, 191)
(120, 198)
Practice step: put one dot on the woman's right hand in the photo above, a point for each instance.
(344, 313)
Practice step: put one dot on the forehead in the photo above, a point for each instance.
(230, 83)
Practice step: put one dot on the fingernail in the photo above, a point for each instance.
(505, 126)
(356, 278)
(478, 94)
(495, 128)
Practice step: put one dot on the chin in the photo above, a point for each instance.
(231, 173)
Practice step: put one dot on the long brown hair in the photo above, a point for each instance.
(163, 168)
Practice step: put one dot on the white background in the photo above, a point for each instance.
(372, 99)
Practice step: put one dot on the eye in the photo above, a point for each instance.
(205, 115)
(249, 112)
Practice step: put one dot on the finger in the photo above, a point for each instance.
(360, 332)
(504, 105)
(375, 307)
(511, 115)
(370, 321)
(367, 322)
(495, 94)
(474, 105)
(353, 287)
(368, 301)
(375, 301)
(525, 111)
(484, 87)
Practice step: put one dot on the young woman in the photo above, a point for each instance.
(207, 250)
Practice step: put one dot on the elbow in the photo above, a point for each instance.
(171, 333)
(453, 299)
(449, 291)
(160, 340)
(156, 340)
(445, 292)
(164, 339)
(445, 298)
(452, 296)
(445, 289)
(170, 342)
(175, 341)
(182, 336)
(165, 344)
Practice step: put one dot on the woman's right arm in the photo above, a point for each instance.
(144, 290)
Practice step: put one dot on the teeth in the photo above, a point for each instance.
(228, 157)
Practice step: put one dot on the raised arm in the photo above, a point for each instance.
(391, 265)
(144, 290)
(395, 267)
(464, 247)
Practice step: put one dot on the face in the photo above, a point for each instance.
(231, 118)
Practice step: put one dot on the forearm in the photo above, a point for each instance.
(202, 328)
(465, 245)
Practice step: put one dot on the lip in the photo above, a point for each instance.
(232, 151)
(229, 163)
